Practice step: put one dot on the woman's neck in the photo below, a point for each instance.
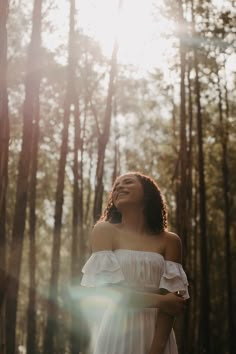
(133, 220)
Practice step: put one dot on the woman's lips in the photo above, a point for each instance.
(121, 194)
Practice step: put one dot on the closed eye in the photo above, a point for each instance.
(125, 181)
(128, 181)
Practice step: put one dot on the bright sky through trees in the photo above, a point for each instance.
(140, 35)
(144, 34)
(141, 31)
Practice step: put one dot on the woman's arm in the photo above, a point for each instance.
(170, 304)
(163, 327)
(165, 320)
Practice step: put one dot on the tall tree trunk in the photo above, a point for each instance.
(77, 222)
(4, 139)
(76, 249)
(226, 193)
(190, 158)
(204, 325)
(52, 309)
(31, 312)
(187, 329)
(116, 167)
(195, 268)
(104, 137)
(182, 212)
(182, 223)
(89, 191)
(4, 146)
(77, 199)
(32, 85)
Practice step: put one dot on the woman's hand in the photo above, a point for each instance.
(172, 303)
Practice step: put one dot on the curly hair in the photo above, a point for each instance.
(155, 209)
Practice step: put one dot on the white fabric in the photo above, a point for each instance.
(174, 279)
(101, 268)
(125, 330)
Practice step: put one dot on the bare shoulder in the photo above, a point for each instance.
(172, 237)
(101, 237)
(173, 247)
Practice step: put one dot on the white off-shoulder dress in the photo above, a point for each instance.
(130, 330)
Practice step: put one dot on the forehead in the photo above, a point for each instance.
(126, 178)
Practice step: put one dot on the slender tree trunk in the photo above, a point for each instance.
(204, 325)
(4, 140)
(204, 319)
(190, 157)
(31, 88)
(4, 146)
(31, 312)
(195, 269)
(77, 222)
(51, 321)
(182, 212)
(103, 138)
(89, 192)
(52, 310)
(226, 193)
(75, 338)
(187, 329)
(116, 168)
(182, 223)
(77, 206)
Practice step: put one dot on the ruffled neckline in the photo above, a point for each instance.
(138, 251)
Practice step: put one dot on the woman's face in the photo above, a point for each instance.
(127, 190)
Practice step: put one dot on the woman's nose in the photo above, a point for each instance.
(119, 187)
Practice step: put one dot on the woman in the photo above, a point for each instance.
(133, 259)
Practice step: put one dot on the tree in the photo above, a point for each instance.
(182, 216)
(103, 136)
(223, 123)
(70, 99)
(204, 325)
(4, 147)
(4, 141)
(32, 84)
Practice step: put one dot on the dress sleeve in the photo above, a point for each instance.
(174, 279)
(102, 268)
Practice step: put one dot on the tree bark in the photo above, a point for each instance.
(226, 193)
(104, 137)
(77, 219)
(204, 325)
(32, 85)
(4, 148)
(4, 140)
(52, 308)
(116, 167)
(182, 214)
(31, 311)
(89, 191)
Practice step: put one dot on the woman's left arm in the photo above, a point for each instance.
(164, 323)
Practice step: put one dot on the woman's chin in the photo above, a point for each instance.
(121, 204)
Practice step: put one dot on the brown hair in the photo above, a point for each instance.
(155, 209)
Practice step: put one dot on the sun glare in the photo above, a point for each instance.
(140, 35)
(140, 29)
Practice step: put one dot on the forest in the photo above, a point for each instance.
(90, 90)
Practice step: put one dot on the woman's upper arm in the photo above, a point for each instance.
(101, 237)
(173, 250)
